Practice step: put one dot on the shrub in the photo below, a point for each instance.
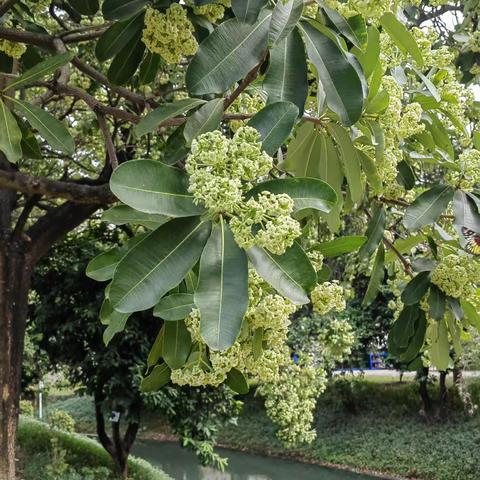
(26, 408)
(35, 440)
(61, 420)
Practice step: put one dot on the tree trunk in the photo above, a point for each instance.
(15, 274)
(442, 395)
(422, 375)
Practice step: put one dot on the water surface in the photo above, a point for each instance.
(182, 464)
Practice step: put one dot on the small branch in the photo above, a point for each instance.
(112, 154)
(406, 264)
(75, 192)
(22, 219)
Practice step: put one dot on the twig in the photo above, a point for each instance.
(112, 154)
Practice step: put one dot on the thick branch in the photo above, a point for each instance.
(29, 185)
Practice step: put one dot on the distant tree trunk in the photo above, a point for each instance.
(118, 446)
(15, 274)
(442, 394)
(422, 375)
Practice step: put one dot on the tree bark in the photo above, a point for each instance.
(422, 375)
(15, 274)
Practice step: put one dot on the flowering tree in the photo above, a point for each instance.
(240, 135)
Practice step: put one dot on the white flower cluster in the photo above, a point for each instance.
(469, 174)
(246, 103)
(336, 340)
(328, 296)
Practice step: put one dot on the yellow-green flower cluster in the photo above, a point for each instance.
(410, 121)
(469, 174)
(169, 34)
(473, 43)
(336, 339)
(246, 103)
(457, 275)
(213, 11)
(310, 10)
(12, 49)
(371, 9)
(290, 402)
(328, 296)
(271, 212)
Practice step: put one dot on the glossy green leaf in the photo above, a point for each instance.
(176, 306)
(248, 10)
(291, 274)
(177, 344)
(150, 122)
(342, 26)
(340, 79)
(304, 151)
(222, 290)
(227, 55)
(374, 232)
(285, 17)
(153, 187)
(102, 266)
(117, 37)
(286, 79)
(122, 9)
(400, 35)
(351, 161)
(416, 342)
(157, 263)
(369, 167)
(41, 70)
(376, 276)
(85, 7)
(466, 212)
(205, 119)
(159, 377)
(436, 302)
(305, 192)
(10, 135)
(405, 175)
(274, 122)
(440, 346)
(237, 382)
(427, 207)
(156, 351)
(123, 214)
(471, 313)
(29, 144)
(416, 288)
(369, 58)
(126, 61)
(53, 131)
(116, 324)
(403, 330)
(340, 246)
(149, 68)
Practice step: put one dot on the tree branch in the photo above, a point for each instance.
(74, 192)
(112, 154)
(5, 6)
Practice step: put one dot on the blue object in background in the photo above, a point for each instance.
(377, 360)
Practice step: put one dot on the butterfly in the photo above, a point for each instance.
(472, 241)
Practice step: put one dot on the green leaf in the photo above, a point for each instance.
(286, 79)
(176, 306)
(471, 313)
(122, 9)
(122, 214)
(118, 36)
(376, 277)
(29, 144)
(150, 122)
(41, 69)
(440, 346)
(466, 213)
(177, 344)
(101, 267)
(303, 151)
(370, 169)
(227, 55)
(369, 59)
(159, 377)
(10, 135)
(436, 302)
(157, 263)
(53, 131)
(205, 119)
(153, 187)
(156, 351)
(403, 330)
(126, 61)
(116, 324)
(247, 10)
(340, 79)
(374, 232)
(222, 290)
(416, 288)
(400, 35)
(427, 207)
(274, 122)
(85, 7)
(149, 68)
(405, 175)
(416, 342)
(342, 26)
(305, 192)
(340, 246)
(291, 274)
(351, 162)
(237, 382)
(284, 19)
(257, 343)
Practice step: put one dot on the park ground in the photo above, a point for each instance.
(370, 423)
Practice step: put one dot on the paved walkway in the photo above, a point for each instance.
(394, 375)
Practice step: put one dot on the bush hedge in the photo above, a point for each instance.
(35, 437)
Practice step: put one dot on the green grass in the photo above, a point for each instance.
(386, 434)
(34, 439)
